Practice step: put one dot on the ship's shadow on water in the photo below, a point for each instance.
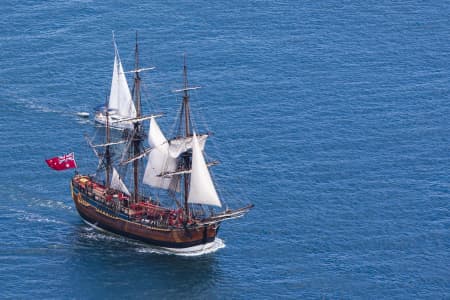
(96, 255)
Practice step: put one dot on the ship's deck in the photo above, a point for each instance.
(117, 203)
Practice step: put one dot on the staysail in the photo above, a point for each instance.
(202, 190)
(117, 183)
(120, 100)
(158, 159)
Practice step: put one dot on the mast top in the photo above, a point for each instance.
(186, 88)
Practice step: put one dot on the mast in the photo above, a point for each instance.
(186, 100)
(137, 137)
(187, 158)
(107, 151)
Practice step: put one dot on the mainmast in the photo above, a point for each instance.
(107, 151)
(137, 137)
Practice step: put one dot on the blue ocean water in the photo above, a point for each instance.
(330, 116)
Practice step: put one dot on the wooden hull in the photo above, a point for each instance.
(163, 237)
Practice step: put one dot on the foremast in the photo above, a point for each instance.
(187, 159)
(178, 164)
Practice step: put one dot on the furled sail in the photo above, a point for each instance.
(117, 183)
(180, 145)
(159, 160)
(202, 190)
(120, 100)
(163, 157)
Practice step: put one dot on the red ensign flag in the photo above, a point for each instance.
(64, 162)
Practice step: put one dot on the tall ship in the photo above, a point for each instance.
(171, 200)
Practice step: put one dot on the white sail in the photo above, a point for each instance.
(163, 157)
(159, 160)
(202, 190)
(180, 145)
(120, 100)
(117, 183)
